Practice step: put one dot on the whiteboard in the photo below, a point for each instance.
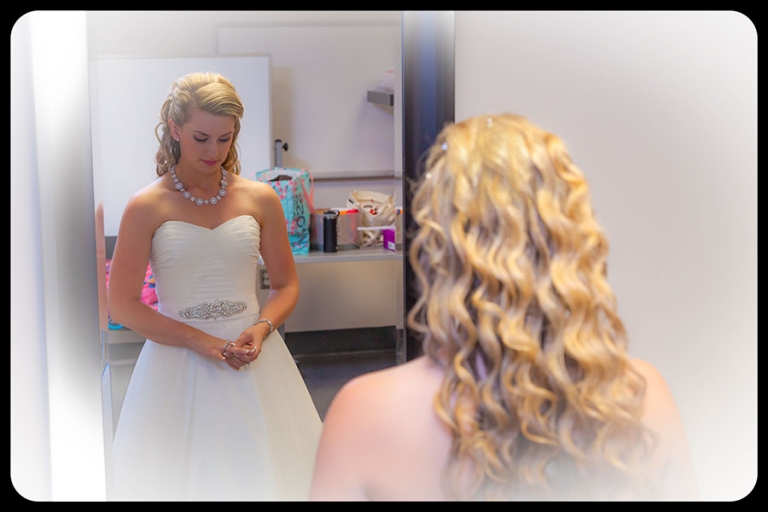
(126, 95)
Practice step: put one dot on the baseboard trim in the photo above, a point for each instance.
(341, 340)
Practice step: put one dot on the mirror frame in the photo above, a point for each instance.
(428, 67)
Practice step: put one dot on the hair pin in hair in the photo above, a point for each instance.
(444, 146)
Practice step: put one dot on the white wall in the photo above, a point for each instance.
(660, 111)
(56, 429)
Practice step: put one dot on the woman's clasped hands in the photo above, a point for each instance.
(243, 351)
(238, 353)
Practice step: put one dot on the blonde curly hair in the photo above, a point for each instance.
(514, 304)
(208, 91)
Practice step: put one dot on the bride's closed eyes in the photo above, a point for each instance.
(205, 139)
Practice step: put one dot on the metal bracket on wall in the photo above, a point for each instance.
(381, 98)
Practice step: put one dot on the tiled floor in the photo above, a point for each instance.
(324, 374)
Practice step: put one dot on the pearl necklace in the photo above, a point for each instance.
(200, 202)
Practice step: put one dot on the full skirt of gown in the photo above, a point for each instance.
(193, 428)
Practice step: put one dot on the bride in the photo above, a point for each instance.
(216, 408)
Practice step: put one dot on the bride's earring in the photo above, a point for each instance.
(173, 129)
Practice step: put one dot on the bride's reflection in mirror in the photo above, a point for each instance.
(213, 367)
(326, 356)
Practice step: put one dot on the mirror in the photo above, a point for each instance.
(329, 123)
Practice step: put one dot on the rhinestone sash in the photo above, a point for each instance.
(214, 310)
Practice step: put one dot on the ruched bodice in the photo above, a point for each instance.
(193, 264)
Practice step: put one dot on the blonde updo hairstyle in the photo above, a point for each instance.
(210, 92)
(514, 304)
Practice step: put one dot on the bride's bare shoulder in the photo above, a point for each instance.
(365, 450)
(417, 369)
(259, 195)
(148, 202)
(382, 391)
(256, 188)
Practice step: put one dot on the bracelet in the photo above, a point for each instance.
(269, 323)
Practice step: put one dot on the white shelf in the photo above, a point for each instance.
(373, 253)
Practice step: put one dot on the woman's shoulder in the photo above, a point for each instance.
(375, 395)
(148, 195)
(406, 378)
(381, 435)
(659, 408)
(259, 195)
(257, 188)
(662, 417)
(146, 205)
(646, 369)
(385, 396)
(657, 389)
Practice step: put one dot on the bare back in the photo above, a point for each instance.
(382, 439)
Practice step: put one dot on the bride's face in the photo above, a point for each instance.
(204, 140)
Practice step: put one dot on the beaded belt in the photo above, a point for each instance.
(215, 309)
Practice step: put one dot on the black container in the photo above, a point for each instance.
(329, 231)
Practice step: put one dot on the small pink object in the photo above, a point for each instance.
(389, 239)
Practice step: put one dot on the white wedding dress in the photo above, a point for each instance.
(193, 428)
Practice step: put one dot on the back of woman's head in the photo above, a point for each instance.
(538, 389)
(208, 92)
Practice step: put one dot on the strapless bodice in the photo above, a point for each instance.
(193, 264)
